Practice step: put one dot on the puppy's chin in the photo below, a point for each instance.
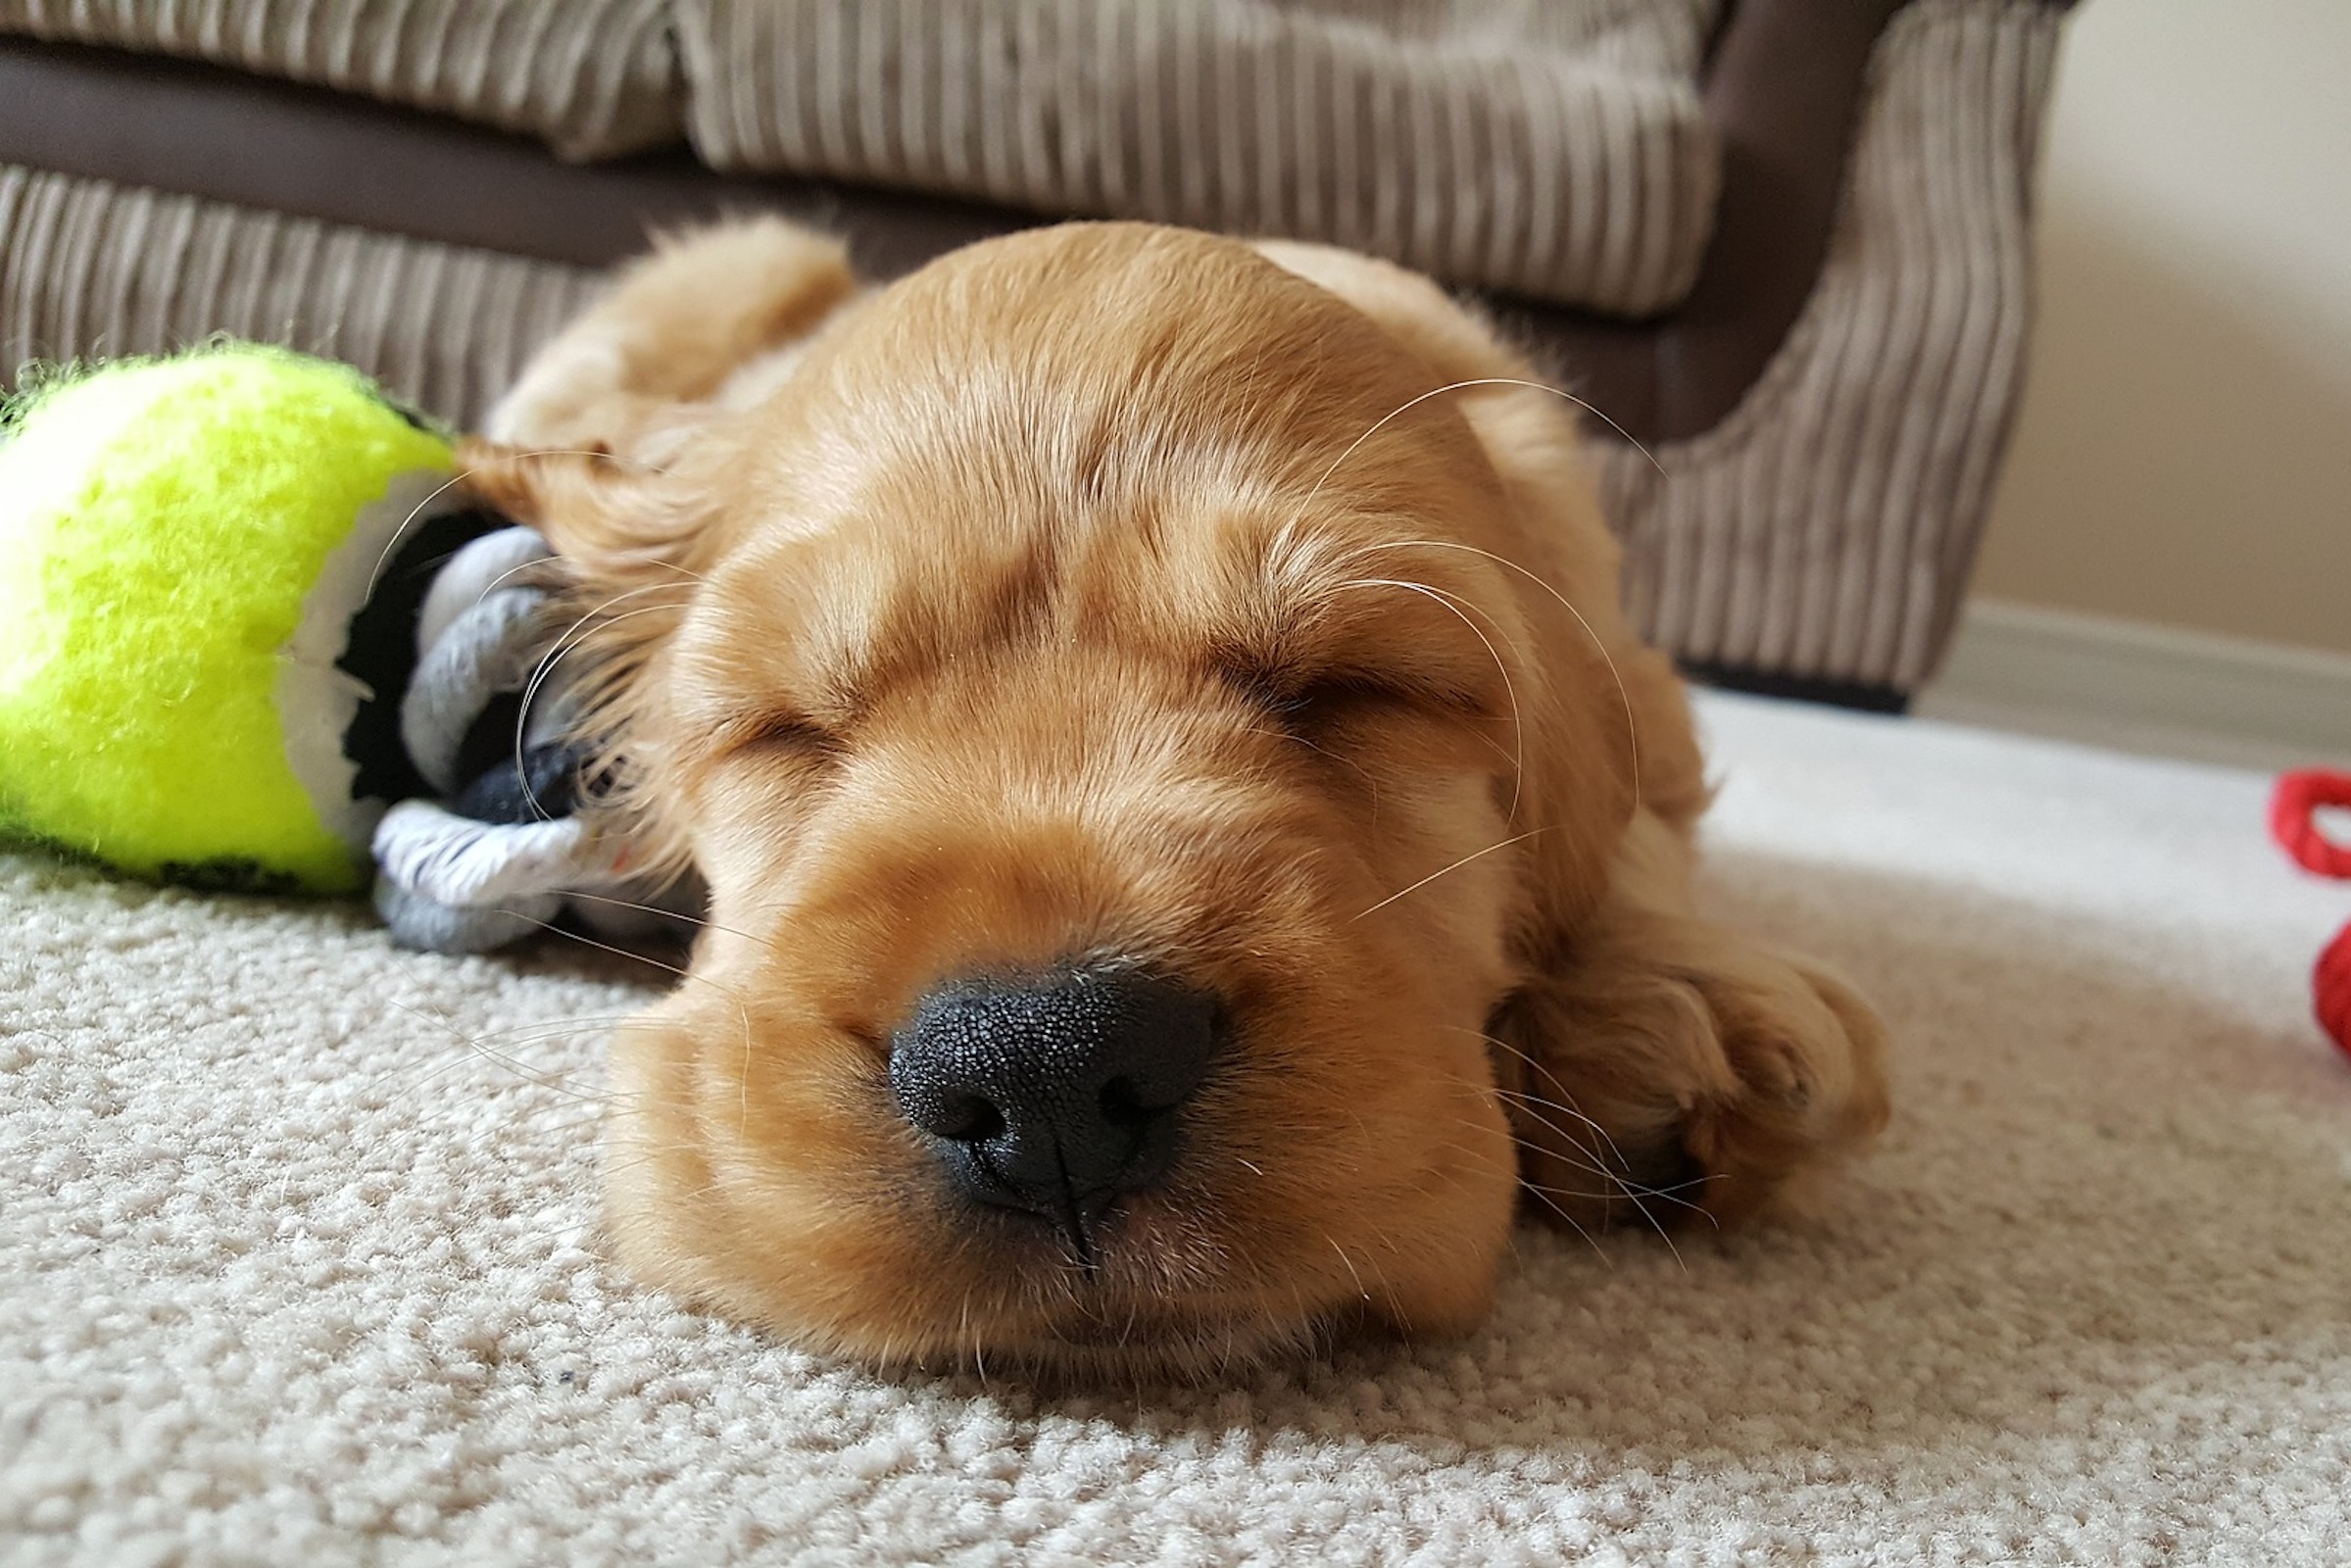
(770, 1175)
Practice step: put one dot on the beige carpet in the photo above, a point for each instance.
(291, 1274)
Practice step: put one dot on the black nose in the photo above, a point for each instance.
(1054, 1093)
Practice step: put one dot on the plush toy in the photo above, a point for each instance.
(252, 635)
(2293, 822)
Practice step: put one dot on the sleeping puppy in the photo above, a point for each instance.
(1193, 844)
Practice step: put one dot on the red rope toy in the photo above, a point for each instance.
(2293, 810)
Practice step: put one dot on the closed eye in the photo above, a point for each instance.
(788, 733)
(1319, 698)
(1328, 697)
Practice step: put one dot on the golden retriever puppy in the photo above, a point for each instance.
(1192, 840)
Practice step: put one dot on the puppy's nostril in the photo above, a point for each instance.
(1123, 1106)
(966, 1119)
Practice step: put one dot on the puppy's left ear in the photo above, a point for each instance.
(1657, 1063)
(1604, 726)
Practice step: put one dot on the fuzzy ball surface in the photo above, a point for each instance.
(161, 523)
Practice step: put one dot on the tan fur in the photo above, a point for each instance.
(1087, 592)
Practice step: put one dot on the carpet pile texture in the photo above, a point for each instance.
(298, 1265)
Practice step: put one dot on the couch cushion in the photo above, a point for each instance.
(89, 268)
(591, 78)
(1555, 150)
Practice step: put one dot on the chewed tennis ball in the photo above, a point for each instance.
(183, 544)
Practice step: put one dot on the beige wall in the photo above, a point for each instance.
(2184, 448)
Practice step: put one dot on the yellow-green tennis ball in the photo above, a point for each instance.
(183, 542)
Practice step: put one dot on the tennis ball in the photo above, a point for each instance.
(183, 543)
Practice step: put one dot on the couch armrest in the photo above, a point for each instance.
(1784, 90)
(1785, 86)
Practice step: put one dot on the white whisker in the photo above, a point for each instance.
(1516, 838)
(1624, 696)
(572, 637)
(392, 545)
(1457, 386)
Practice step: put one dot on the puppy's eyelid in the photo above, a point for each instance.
(780, 731)
(1303, 697)
(1303, 700)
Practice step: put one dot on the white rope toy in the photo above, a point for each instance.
(500, 853)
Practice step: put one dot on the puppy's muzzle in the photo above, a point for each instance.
(1058, 1093)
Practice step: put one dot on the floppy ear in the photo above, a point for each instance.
(1607, 731)
(1657, 1064)
(616, 524)
(632, 547)
(593, 444)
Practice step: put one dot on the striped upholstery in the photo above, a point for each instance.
(591, 78)
(1826, 529)
(1556, 150)
(89, 269)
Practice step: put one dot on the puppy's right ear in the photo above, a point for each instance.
(632, 543)
(615, 525)
(631, 550)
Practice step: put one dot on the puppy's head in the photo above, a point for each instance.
(1126, 787)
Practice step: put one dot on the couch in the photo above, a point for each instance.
(1780, 247)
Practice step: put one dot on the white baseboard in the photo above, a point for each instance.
(2144, 688)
